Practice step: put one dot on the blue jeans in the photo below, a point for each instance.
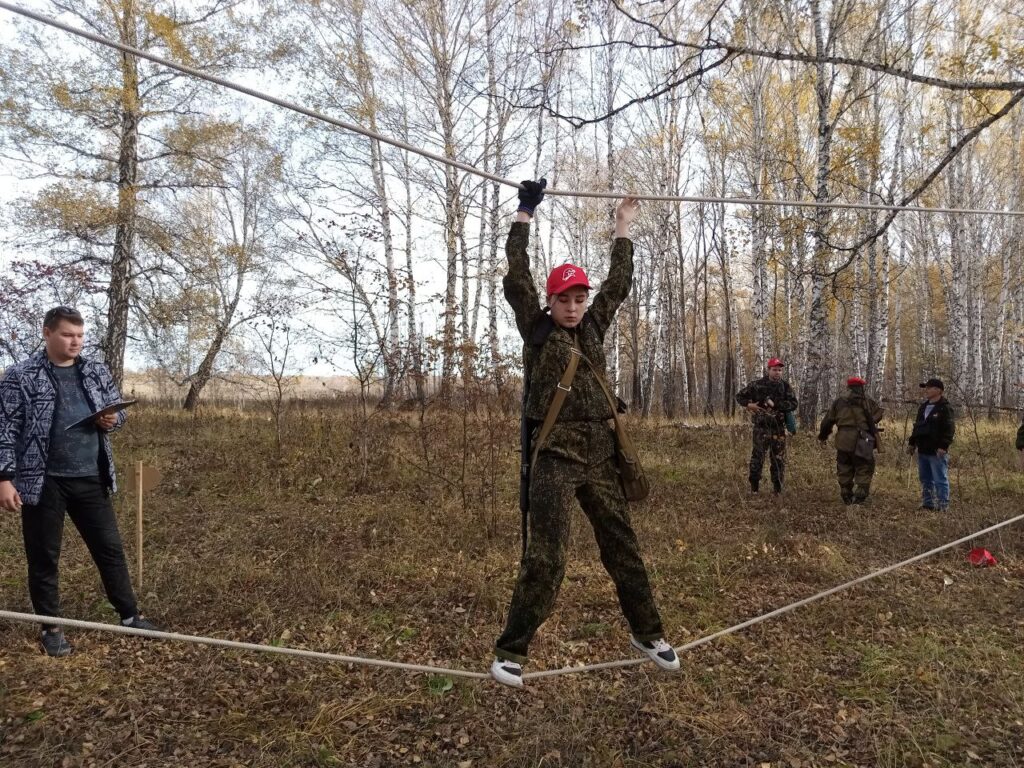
(933, 472)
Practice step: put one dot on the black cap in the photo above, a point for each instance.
(933, 382)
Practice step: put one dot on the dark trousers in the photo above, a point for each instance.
(854, 475)
(553, 484)
(771, 444)
(42, 525)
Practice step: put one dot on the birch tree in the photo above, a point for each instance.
(100, 129)
(225, 244)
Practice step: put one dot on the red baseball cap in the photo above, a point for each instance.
(776, 363)
(566, 276)
(855, 381)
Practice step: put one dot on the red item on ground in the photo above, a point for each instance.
(981, 557)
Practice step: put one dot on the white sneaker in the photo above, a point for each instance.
(660, 652)
(509, 672)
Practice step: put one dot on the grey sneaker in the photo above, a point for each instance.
(54, 643)
(660, 652)
(507, 672)
(140, 622)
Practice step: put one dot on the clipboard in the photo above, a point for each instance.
(120, 405)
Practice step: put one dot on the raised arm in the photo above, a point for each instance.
(520, 289)
(617, 284)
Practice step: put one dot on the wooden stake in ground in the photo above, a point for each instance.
(138, 520)
(144, 479)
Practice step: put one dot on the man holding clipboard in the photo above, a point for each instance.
(57, 410)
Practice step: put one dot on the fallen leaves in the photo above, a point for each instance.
(405, 572)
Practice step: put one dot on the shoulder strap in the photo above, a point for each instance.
(604, 388)
(561, 391)
(620, 431)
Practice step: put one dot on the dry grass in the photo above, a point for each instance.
(398, 538)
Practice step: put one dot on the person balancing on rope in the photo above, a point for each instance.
(567, 407)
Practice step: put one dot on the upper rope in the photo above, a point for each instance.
(354, 128)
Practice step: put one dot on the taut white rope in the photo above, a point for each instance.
(185, 69)
(237, 645)
(30, 618)
(780, 611)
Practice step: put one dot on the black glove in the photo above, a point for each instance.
(530, 195)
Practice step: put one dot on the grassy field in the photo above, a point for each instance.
(397, 537)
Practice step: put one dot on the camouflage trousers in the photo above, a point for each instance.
(577, 461)
(772, 444)
(854, 474)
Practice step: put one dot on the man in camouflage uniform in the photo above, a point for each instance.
(768, 399)
(578, 457)
(851, 413)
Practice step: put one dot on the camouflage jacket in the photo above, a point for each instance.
(545, 359)
(27, 399)
(783, 401)
(849, 414)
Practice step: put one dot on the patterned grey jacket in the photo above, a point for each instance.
(27, 396)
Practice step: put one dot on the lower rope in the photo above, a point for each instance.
(778, 611)
(239, 646)
(30, 618)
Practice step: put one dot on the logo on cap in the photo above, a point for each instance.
(567, 273)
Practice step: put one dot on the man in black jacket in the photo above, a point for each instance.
(933, 433)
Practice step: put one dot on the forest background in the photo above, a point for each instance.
(220, 248)
(212, 236)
